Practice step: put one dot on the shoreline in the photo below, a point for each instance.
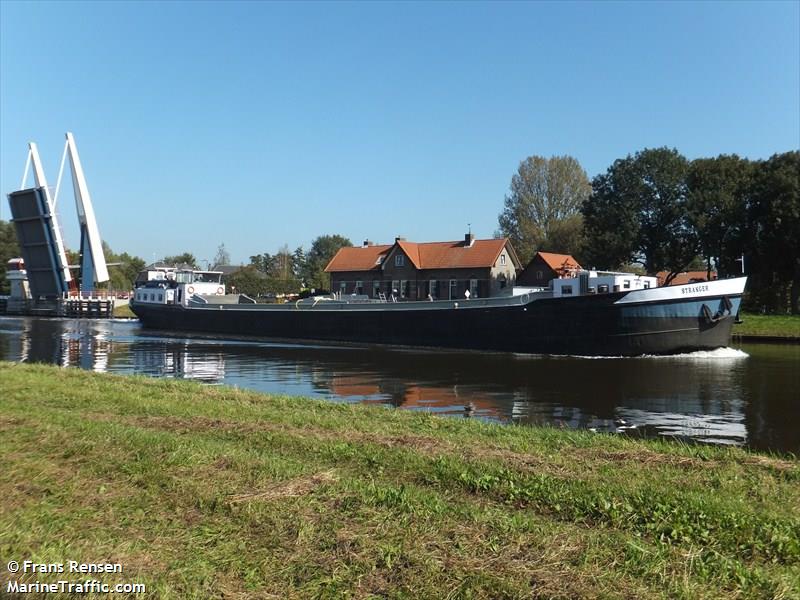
(255, 495)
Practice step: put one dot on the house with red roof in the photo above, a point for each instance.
(426, 270)
(545, 266)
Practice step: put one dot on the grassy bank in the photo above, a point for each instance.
(217, 492)
(777, 326)
(123, 312)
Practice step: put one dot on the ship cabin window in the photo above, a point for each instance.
(503, 259)
(647, 285)
(160, 297)
(626, 284)
(359, 287)
(602, 289)
(453, 289)
(152, 297)
(592, 289)
(566, 290)
(399, 260)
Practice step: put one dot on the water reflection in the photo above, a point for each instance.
(728, 396)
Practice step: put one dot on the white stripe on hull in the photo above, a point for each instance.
(690, 291)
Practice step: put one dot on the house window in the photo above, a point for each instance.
(359, 287)
(503, 282)
(395, 287)
(566, 290)
(473, 288)
(433, 288)
(399, 260)
(376, 289)
(453, 289)
(343, 287)
(502, 259)
(539, 275)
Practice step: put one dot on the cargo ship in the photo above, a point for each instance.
(591, 314)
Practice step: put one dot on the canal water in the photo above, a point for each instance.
(745, 395)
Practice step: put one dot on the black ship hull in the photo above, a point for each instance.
(584, 325)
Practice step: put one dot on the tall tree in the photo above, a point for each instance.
(774, 216)
(542, 208)
(8, 249)
(262, 262)
(222, 257)
(638, 212)
(299, 264)
(718, 198)
(319, 255)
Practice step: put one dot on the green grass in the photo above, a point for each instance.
(786, 326)
(123, 312)
(217, 492)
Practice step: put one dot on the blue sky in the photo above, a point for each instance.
(259, 124)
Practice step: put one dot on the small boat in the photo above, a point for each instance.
(592, 314)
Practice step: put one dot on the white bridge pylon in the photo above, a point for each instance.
(93, 262)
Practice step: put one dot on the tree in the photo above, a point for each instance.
(261, 262)
(638, 212)
(542, 209)
(774, 233)
(222, 257)
(247, 280)
(122, 268)
(718, 197)
(9, 248)
(319, 255)
(180, 259)
(299, 264)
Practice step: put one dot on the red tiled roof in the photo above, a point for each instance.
(426, 255)
(559, 261)
(359, 258)
(685, 277)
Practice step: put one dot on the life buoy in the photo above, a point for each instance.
(190, 289)
(220, 290)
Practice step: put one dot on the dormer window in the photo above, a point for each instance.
(399, 260)
(379, 260)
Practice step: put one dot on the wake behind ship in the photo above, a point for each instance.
(583, 315)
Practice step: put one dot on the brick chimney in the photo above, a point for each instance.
(368, 243)
(469, 239)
